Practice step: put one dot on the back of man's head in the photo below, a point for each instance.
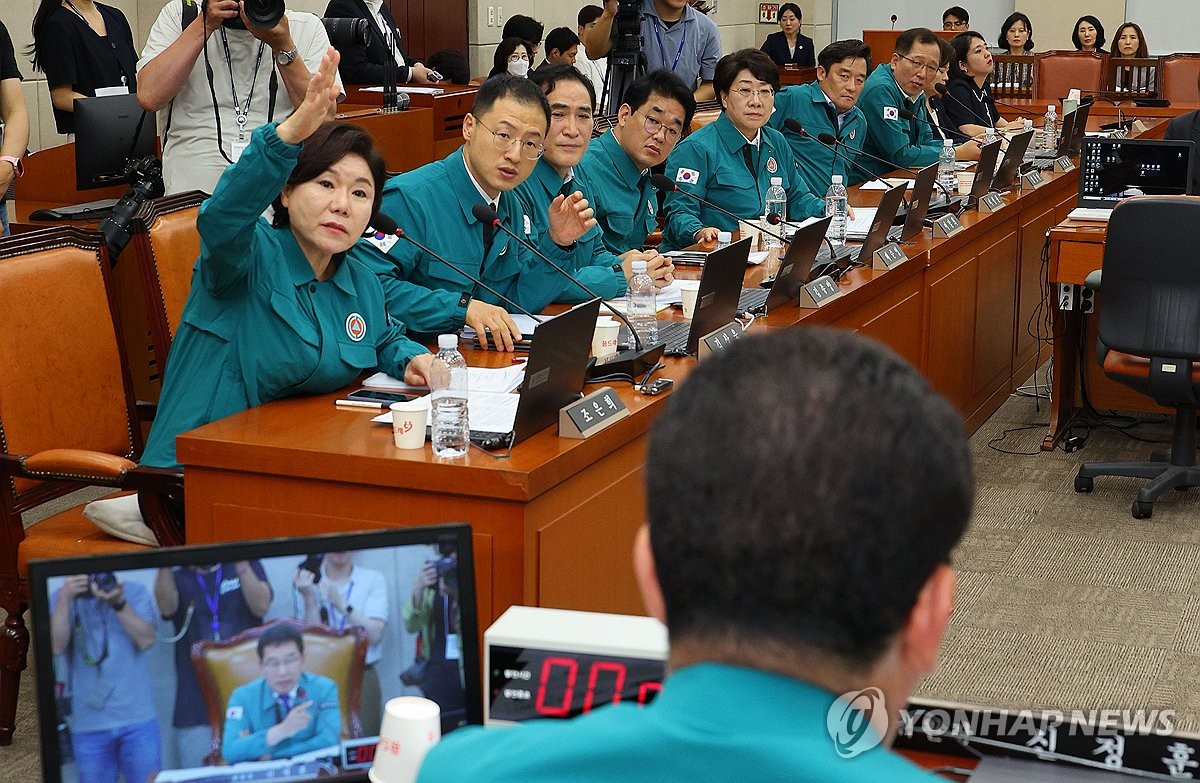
(525, 27)
(804, 487)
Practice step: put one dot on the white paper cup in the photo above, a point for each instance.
(408, 423)
(411, 726)
(688, 290)
(604, 339)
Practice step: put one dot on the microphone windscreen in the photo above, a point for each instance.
(383, 224)
(905, 114)
(826, 138)
(662, 182)
(894, 18)
(484, 214)
(940, 87)
(774, 219)
(793, 124)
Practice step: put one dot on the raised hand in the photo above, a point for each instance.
(319, 101)
(570, 218)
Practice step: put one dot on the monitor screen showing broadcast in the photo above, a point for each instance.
(260, 660)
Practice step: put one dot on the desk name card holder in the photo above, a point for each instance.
(888, 257)
(1138, 127)
(946, 226)
(1063, 164)
(1033, 179)
(991, 202)
(591, 414)
(819, 292)
(719, 339)
(1119, 133)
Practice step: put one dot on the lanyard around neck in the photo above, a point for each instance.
(242, 112)
(662, 49)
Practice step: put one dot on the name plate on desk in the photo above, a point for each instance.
(1063, 164)
(947, 226)
(1033, 179)
(991, 202)
(719, 339)
(888, 256)
(819, 292)
(594, 412)
(1119, 133)
(1139, 127)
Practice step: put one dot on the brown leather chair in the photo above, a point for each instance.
(167, 245)
(1012, 76)
(1059, 71)
(702, 118)
(1132, 76)
(223, 666)
(67, 420)
(1179, 73)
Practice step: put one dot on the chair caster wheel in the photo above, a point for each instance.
(1083, 483)
(1142, 510)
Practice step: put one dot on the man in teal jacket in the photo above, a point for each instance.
(828, 106)
(503, 137)
(801, 616)
(898, 86)
(287, 711)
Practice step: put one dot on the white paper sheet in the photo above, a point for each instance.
(486, 411)
(484, 379)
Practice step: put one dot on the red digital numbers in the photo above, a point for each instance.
(605, 685)
(548, 665)
(618, 671)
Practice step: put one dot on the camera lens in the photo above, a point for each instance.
(105, 581)
(264, 13)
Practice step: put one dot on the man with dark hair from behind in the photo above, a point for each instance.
(784, 600)
(452, 65)
(562, 47)
(527, 29)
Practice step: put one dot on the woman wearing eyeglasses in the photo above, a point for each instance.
(731, 161)
(512, 57)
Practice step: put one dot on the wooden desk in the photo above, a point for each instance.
(404, 138)
(449, 109)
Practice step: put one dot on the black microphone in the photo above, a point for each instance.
(667, 185)
(894, 18)
(828, 138)
(944, 91)
(829, 268)
(634, 362)
(831, 142)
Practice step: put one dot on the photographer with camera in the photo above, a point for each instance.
(104, 627)
(674, 36)
(433, 612)
(215, 78)
(365, 65)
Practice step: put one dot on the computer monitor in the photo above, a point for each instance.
(110, 131)
(1113, 169)
(419, 581)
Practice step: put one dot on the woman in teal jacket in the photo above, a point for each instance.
(276, 309)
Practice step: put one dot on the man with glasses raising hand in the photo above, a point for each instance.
(897, 86)
(504, 137)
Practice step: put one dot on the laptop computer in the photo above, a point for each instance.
(918, 205)
(1115, 169)
(1006, 175)
(985, 172)
(881, 227)
(1071, 134)
(795, 270)
(100, 678)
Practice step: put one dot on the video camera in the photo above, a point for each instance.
(144, 176)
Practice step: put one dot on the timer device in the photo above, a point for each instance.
(559, 663)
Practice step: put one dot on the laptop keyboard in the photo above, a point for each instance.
(673, 333)
(753, 300)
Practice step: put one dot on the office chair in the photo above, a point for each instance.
(1150, 331)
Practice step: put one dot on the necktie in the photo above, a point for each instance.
(748, 156)
(489, 234)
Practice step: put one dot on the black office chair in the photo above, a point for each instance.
(1150, 331)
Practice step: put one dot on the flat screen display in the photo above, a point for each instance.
(1114, 169)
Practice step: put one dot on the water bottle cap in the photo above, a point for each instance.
(777, 181)
(447, 342)
(639, 266)
(724, 236)
(836, 179)
(947, 142)
(1049, 107)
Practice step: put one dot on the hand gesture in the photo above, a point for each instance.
(296, 721)
(305, 581)
(484, 318)
(77, 585)
(111, 597)
(334, 597)
(318, 102)
(570, 218)
(217, 11)
(418, 74)
(658, 266)
(417, 372)
(706, 236)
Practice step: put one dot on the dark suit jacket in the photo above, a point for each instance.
(1186, 127)
(365, 66)
(776, 46)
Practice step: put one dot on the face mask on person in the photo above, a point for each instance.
(519, 68)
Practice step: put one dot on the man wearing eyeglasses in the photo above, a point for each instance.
(898, 86)
(956, 18)
(503, 138)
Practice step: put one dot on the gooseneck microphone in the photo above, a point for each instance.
(665, 184)
(827, 138)
(894, 20)
(635, 361)
(944, 91)
(831, 142)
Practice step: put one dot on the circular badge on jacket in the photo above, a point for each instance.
(356, 327)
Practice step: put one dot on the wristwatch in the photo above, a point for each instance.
(15, 162)
(283, 59)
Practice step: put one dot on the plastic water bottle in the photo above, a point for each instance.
(1050, 129)
(640, 304)
(989, 136)
(448, 395)
(1030, 152)
(947, 175)
(835, 205)
(724, 239)
(776, 204)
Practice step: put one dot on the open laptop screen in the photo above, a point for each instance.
(1113, 169)
(161, 647)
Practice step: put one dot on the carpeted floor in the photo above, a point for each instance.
(1064, 601)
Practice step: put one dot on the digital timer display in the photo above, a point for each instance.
(527, 684)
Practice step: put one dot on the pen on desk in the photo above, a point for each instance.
(360, 404)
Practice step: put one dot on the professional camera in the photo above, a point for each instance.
(262, 13)
(347, 33)
(312, 564)
(445, 565)
(626, 59)
(628, 20)
(144, 176)
(105, 581)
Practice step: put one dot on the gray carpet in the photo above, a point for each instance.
(1064, 601)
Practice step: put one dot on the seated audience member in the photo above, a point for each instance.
(105, 629)
(452, 65)
(512, 58)
(656, 111)
(732, 160)
(596, 70)
(562, 46)
(900, 85)
(781, 600)
(942, 126)
(527, 29)
(788, 46)
(1130, 42)
(956, 18)
(343, 595)
(827, 105)
(1186, 127)
(1016, 35)
(364, 65)
(434, 613)
(1088, 35)
(82, 46)
(205, 603)
(276, 309)
(970, 105)
(14, 135)
(572, 104)
(504, 136)
(285, 712)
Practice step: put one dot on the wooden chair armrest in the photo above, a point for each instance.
(76, 465)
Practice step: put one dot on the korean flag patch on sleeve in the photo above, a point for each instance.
(687, 176)
(891, 113)
(233, 713)
(382, 241)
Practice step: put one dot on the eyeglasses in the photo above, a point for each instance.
(746, 93)
(948, 25)
(512, 58)
(281, 663)
(921, 67)
(653, 126)
(503, 141)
